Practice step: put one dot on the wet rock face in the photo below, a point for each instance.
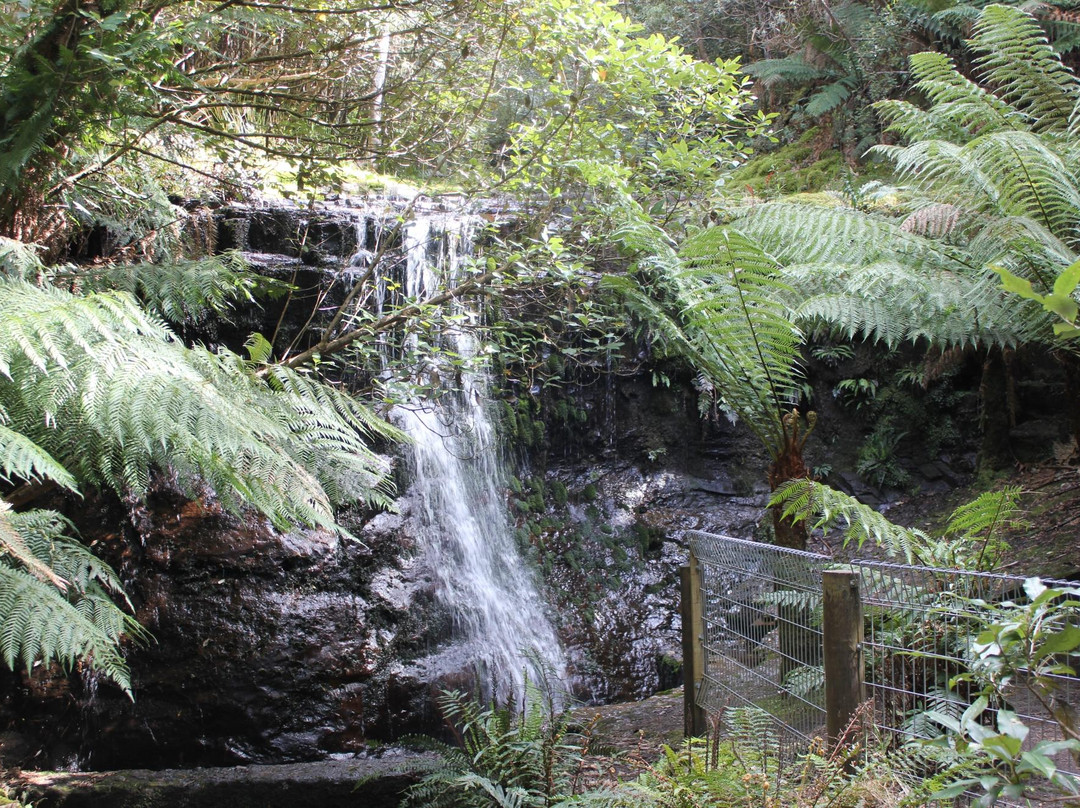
(265, 647)
(611, 555)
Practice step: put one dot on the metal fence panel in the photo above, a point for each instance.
(762, 641)
(753, 597)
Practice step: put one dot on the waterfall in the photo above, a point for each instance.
(458, 490)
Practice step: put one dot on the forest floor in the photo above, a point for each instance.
(628, 738)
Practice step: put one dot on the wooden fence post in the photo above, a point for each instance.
(693, 626)
(843, 635)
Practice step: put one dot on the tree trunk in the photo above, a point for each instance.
(995, 413)
(40, 115)
(799, 645)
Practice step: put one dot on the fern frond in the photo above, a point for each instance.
(991, 511)
(22, 459)
(826, 509)
(19, 260)
(960, 109)
(829, 97)
(178, 290)
(797, 233)
(891, 303)
(1028, 74)
(719, 303)
(54, 602)
(109, 393)
(788, 70)
(14, 544)
(739, 312)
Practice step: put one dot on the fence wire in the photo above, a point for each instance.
(762, 642)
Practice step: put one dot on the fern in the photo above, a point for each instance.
(526, 760)
(120, 396)
(1018, 60)
(826, 509)
(178, 290)
(95, 391)
(22, 459)
(55, 599)
(719, 303)
(829, 97)
(975, 528)
(788, 70)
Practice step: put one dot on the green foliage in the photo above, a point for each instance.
(718, 303)
(838, 60)
(877, 457)
(121, 396)
(180, 291)
(1028, 644)
(1005, 157)
(970, 540)
(55, 598)
(601, 108)
(533, 758)
(97, 393)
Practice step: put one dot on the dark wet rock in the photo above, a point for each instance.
(1034, 440)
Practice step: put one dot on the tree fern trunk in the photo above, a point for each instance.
(788, 465)
(799, 646)
(994, 413)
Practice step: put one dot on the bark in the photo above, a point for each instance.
(799, 645)
(995, 415)
(40, 111)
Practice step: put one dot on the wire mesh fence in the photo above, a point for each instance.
(762, 643)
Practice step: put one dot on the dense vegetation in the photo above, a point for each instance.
(112, 110)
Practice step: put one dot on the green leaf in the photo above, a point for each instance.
(1038, 762)
(1017, 285)
(1061, 641)
(1063, 307)
(954, 790)
(1065, 283)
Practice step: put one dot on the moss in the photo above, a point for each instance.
(559, 493)
(589, 493)
(789, 169)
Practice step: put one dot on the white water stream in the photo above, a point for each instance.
(458, 486)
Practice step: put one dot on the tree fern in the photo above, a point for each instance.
(960, 109)
(177, 290)
(23, 460)
(789, 69)
(719, 303)
(1008, 154)
(1027, 73)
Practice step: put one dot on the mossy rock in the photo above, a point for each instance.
(790, 169)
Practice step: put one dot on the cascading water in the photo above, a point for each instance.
(457, 487)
